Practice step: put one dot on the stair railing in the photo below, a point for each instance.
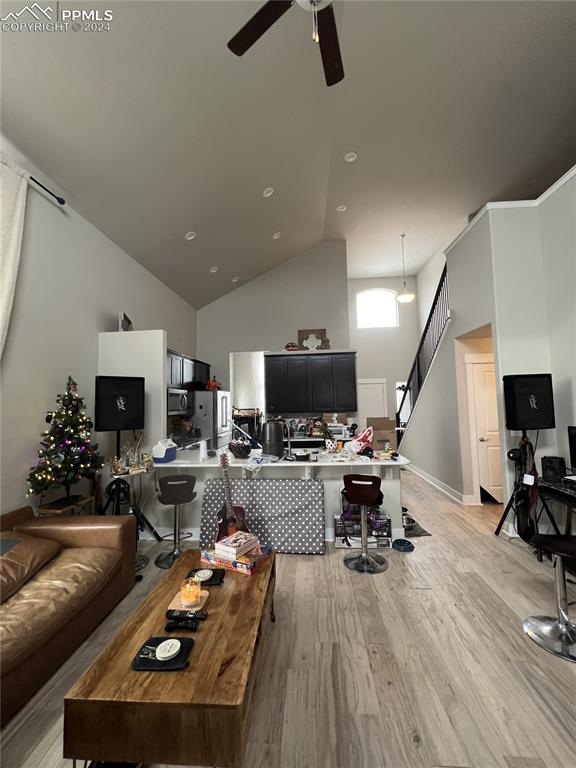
(431, 335)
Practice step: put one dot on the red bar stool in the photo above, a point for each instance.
(364, 491)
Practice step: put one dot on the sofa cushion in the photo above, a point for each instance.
(22, 556)
(53, 597)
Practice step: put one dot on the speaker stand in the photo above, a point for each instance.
(526, 449)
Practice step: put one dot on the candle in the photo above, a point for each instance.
(189, 592)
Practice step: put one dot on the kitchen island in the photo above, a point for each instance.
(329, 468)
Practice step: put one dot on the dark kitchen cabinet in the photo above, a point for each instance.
(322, 384)
(187, 373)
(276, 383)
(311, 383)
(297, 384)
(174, 370)
(201, 374)
(344, 378)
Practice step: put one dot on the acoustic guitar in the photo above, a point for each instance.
(231, 517)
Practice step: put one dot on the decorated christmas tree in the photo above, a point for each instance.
(66, 453)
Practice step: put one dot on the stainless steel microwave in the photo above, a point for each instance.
(177, 402)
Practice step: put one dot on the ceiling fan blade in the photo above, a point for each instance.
(329, 46)
(258, 25)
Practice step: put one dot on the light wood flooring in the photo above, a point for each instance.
(424, 666)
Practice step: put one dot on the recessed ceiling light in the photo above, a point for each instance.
(350, 157)
(268, 192)
(190, 235)
(340, 208)
(276, 235)
(235, 279)
(213, 270)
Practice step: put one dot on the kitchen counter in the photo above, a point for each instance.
(189, 459)
(328, 468)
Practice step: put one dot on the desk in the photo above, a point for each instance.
(561, 493)
(328, 468)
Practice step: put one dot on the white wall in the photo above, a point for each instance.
(72, 283)
(558, 239)
(385, 353)
(512, 267)
(432, 440)
(426, 284)
(307, 291)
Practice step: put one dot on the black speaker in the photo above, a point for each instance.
(119, 403)
(529, 401)
(553, 468)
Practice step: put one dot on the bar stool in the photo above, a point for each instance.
(363, 490)
(556, 634)
(175, 490)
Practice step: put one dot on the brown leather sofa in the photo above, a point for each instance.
(53, 612)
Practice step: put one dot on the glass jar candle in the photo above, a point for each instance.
(189, 592)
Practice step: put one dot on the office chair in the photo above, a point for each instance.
(175, 490)
(555, 634)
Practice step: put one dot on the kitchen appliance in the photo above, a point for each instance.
(212, 416)
(273, 439)
(177, 402)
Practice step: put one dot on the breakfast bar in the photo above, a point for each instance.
(329, 468)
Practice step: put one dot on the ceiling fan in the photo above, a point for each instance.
(323, 32)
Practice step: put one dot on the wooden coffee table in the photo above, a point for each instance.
(196, 716)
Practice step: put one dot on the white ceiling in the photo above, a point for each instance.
(155, 128)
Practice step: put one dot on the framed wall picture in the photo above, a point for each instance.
(312, 339)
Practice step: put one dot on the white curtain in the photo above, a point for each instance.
(13, 187)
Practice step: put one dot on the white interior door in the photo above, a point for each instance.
(372, 400)
(488, 436)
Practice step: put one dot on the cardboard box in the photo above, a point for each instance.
(381, 437)
(381, 424)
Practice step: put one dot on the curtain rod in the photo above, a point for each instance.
(53, 194)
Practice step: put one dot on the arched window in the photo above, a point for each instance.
(376, 308)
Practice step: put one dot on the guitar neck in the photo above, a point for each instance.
(227, 491)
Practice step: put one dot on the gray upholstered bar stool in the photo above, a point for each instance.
(364, 491)
(175, 490)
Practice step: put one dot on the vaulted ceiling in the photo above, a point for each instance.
(154, 129)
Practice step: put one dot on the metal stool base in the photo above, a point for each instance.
(366, 563)
(550, 635)
(167, 559)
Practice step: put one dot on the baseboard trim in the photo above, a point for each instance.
(469, 499)
(438, 484)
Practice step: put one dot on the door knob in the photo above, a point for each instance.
(482, 439)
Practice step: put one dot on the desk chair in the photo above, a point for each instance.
(363, 490)
(556, 635)
(175, 490)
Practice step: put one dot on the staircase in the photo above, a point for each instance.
(433, 330)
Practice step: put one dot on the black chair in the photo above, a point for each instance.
(556, 635)
(364, 490)
(175, 490)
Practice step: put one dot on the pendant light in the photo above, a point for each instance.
(406, 296)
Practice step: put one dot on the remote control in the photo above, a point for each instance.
(175, 615)
(181, 626)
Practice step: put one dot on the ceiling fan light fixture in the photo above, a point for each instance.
(406, 296)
